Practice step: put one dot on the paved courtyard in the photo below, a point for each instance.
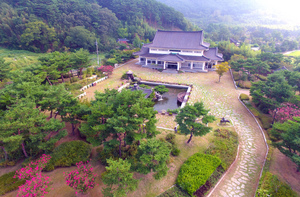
(222, 99)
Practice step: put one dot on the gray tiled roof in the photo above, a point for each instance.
(175, 58)
(195, 58)
(213, 54)
(179, 40)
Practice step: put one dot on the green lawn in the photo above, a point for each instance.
(294, 54)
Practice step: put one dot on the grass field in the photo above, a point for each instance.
(21, 58)
(294, 54)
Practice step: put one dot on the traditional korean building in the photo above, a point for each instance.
(180, 50)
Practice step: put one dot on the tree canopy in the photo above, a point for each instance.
(189, 121)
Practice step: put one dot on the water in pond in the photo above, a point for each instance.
(169, 100)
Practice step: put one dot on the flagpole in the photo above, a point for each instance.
(97, 52)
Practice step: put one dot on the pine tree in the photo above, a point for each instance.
(188, 123)
(152, 156)
(118, 178)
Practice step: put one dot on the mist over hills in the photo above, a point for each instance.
(234, 12)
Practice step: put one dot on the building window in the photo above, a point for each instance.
(187, 51)
(143, 59)
(163, 49)
(173, 50)
(197, 51)
(159, 62)
(149, 61)
(153, 49)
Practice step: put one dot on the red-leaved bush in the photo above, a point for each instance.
(286, 112)
(81, 179)
(108, 69)
(36, 184)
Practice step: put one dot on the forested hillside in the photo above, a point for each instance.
(48, 25)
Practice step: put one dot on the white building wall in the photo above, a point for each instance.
(182, 52)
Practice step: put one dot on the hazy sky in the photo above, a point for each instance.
(286, 8)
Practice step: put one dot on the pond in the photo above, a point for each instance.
(169, 100)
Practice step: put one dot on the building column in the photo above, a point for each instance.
(203, 65)
(164, 65)
(192, 65)
(178, 65)
(156, 61)
(146, 61)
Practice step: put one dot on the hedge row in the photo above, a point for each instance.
(68, 154)
(8, 183)
(244, 97)
(195, 171)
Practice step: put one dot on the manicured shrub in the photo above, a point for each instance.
(236, 76)
(74, 79)
(174, 192)
(68, 154)
(170, 138)
(7, 163)
(71, 87)
(244, 84)
(8, 183)
(254, 111)
(266, 121)
(261, 77)
(175, 151)
(244, 97)
(247, 84)
(195, 171)
(144, 86)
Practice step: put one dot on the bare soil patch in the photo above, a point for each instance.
(286, 170)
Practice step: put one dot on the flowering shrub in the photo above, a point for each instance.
(108, 69)
(286, 112)
(36, 184)
(81, 179)
(34, 168)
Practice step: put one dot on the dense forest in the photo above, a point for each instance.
(49, 25)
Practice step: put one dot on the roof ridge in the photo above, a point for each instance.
(159, 30)
(180, 57)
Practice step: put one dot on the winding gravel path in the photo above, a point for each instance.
(243, 176)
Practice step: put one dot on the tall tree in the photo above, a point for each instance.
(80, 60)
(221, 69)
(118, 178)
(188, 123)
(24, 126)
(269, 94)
(126, 116)
(288, 136)
(68, 110)
(53, 97)
(152, 157)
